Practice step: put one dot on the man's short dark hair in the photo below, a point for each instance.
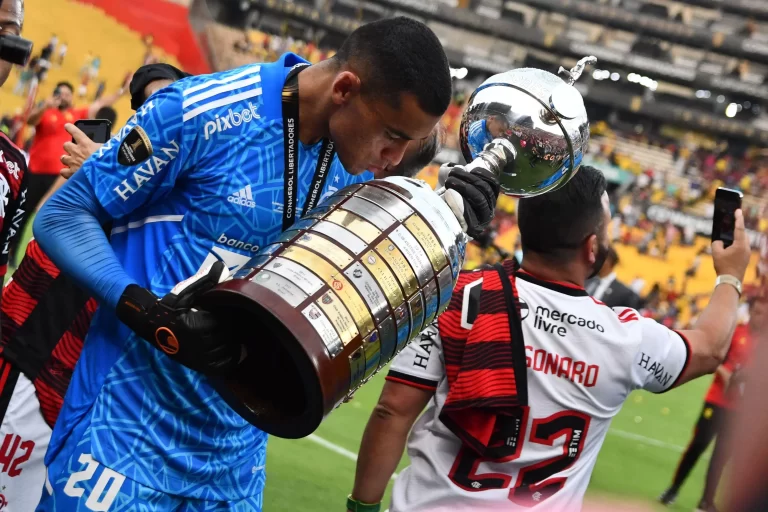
(400, 55)
(66, 84)
(107, 113)
(555, 224)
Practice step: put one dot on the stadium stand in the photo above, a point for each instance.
(121, 49)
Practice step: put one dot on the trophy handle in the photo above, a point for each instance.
(492, 161)
(575, 72)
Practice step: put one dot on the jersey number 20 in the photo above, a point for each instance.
(535, 483)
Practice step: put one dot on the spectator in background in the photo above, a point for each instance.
(62, 53)
(26, 76)
(607, 288)
(49, 119)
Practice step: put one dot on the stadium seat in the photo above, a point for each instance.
(121, 50)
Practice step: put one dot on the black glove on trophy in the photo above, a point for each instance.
(192, 337)
(479, 192)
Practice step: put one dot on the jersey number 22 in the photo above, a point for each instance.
(535, 483)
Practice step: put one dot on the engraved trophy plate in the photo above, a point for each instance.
(445, 286)
(291, 293)
(369, 290)
(369, 211)
(342, 236)
(416, 305)
(334, 200)
(257, 262)
(317, 264)
(403, 322)
(351, 299)
(413, 252)
(431, 300)
(304, 224)
(384, 276)
(388, 338)
(432, 212)
(372, 348)
(308, 282)
(428, 241)
(356, 367)
(399, 265)
(318, 213)
(389, 202)
(328, 249)
(324, 328)
(269, 250)
(339, 316)
(362, 228)
(288, 236)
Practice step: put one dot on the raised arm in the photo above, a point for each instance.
(711, 335)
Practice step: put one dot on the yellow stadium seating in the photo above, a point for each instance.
(84, 29)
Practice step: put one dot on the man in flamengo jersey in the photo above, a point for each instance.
(200, 165)
(581, 361)
(720, 403)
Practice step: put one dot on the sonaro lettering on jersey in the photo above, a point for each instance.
(154, 165)
(578, 372)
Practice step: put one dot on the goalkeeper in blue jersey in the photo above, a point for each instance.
(208, 170)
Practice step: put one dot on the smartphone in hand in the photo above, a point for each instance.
(98, 130)
(727, 201)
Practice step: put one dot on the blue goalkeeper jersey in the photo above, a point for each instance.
(211, 188)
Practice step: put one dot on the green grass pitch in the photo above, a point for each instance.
(637, 461)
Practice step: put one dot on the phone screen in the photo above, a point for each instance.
(98, 130)
(727, 201)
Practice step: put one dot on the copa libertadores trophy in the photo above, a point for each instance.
(357, 278)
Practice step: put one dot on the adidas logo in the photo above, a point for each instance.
(243, 197)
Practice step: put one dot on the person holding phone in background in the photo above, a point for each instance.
(49, 118)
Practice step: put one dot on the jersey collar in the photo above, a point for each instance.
(558, 286)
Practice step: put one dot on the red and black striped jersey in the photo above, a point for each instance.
(45, 317)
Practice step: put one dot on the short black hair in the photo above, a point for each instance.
(65, 84)
(400, 55)
(555, 224)
(107, 113)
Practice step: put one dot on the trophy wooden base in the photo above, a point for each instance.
(288, 382)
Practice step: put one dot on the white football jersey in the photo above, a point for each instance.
(583, 360)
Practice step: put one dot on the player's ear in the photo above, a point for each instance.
(346, 85)
(590, 249)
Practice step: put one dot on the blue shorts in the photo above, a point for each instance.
(86, 485)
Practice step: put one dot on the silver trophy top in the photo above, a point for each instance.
(537, 119)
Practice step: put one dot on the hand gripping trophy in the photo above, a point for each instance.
(350, 284)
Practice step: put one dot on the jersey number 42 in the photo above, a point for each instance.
(535, 483)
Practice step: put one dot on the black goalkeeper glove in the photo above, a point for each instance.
(479, 192)
(187, 335)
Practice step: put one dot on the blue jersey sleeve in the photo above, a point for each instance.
(141, 164)
(136, 167)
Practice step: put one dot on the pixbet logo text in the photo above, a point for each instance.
(232, 119)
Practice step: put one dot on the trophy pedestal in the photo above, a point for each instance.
(282, 384)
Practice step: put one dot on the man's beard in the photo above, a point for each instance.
(600, 257)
